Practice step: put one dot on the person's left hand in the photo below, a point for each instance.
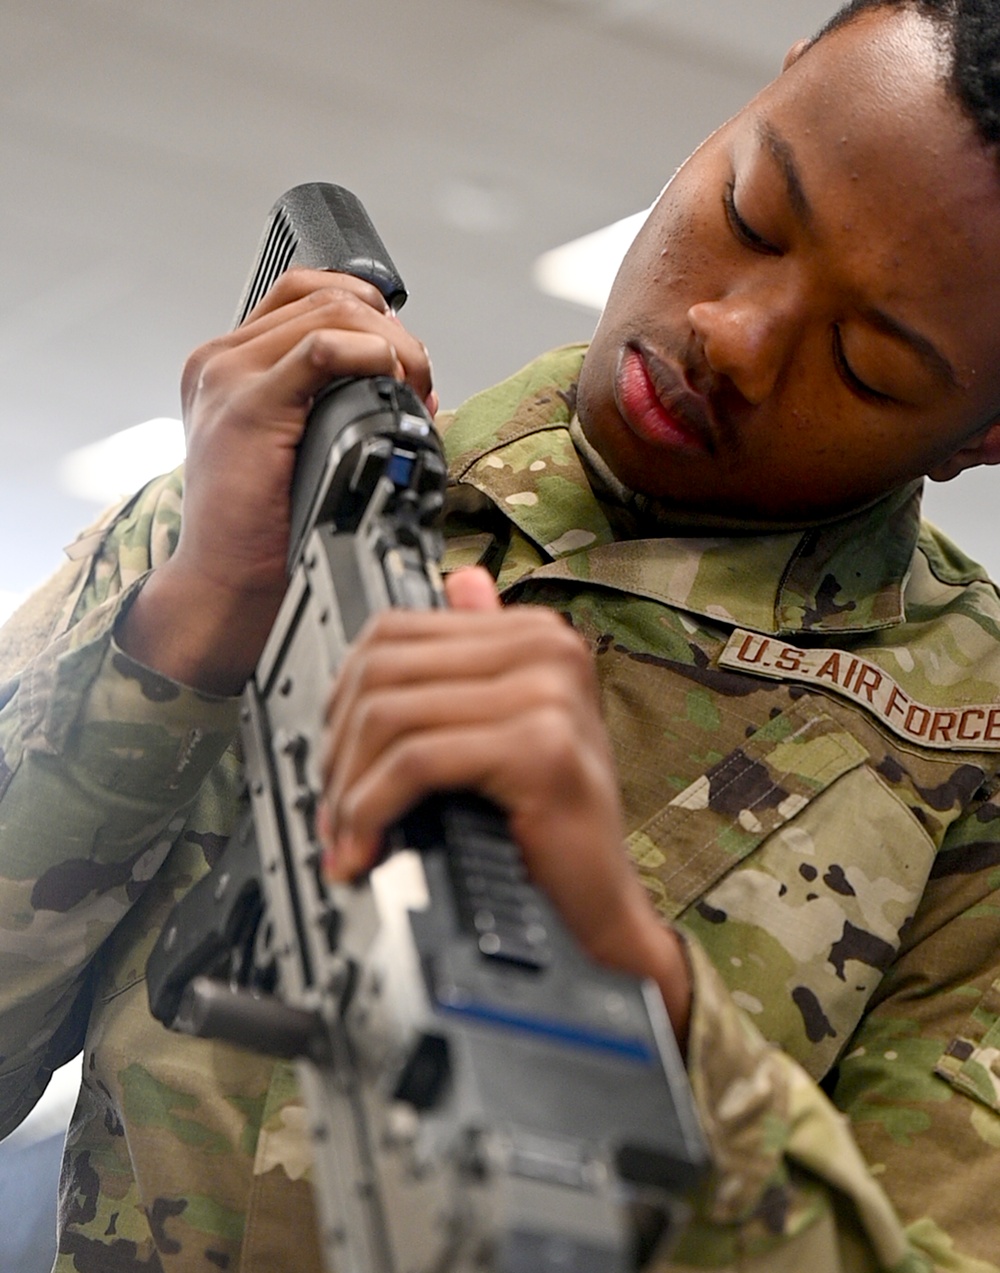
(503, 702)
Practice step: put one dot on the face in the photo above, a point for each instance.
(809, 317)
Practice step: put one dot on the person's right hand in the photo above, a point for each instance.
(203, 616)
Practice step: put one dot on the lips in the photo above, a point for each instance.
(658, 407)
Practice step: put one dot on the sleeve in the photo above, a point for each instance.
(897, 1170)
(99, 759)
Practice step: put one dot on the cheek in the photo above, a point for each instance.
(670, 263)
(810, 442)
(693, 262)
(839, 458)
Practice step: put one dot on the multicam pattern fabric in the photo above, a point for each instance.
(836, 879)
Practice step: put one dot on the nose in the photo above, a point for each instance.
(746, 339)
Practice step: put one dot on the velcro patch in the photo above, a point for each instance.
(967, 727)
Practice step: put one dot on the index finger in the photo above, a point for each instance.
(297, 283)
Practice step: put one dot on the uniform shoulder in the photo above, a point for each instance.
(151, 516)
(951, 595)
(539, 395)
(948, 563)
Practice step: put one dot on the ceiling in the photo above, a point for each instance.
(142, 145)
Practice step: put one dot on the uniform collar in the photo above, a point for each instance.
(514, 444)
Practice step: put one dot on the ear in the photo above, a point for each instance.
(983, 449)
(795, 52)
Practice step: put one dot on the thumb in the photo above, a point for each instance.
(472, 588)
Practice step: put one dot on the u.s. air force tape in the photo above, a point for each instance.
(968, 726)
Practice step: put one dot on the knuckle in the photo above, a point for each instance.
(287, 287)
(319, 345)
(376, 713)
(294, 278)
(291, 283)
(192, 367)
(338, 305)
(554, 744)
(353, 671)
(412, 764)
(370, 669)
(324, 296)
(361, 291)
(196, 364)
(547, 685)
(561, 645)
(572, 647)
(369, 293)
(212, 372)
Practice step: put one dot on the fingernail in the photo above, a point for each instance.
(343, 859)
(328, 865)
(336, 860)
(324, 823)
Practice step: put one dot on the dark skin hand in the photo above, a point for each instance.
(503, 701)
(202, 617)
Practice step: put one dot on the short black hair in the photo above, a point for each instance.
(970, 31)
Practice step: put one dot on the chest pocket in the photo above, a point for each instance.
(796, 867)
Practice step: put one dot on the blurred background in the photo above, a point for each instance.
(142, 145)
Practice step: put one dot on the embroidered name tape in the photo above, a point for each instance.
(970, 727)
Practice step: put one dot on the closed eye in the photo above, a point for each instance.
(744, 233)
(849, 376)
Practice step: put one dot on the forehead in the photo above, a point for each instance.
(906, 197)
(869, 106)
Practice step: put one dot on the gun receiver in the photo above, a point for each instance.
(480, 1095)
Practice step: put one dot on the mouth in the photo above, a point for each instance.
(658, 406)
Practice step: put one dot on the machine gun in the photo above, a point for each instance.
(480, 1095)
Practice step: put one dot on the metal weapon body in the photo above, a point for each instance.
(480, 1095)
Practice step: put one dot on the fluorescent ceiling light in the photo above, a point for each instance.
(104, 471)
(584, 269)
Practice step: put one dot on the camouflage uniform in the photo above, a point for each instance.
(808, 742)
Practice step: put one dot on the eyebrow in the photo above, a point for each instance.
(783, 155)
